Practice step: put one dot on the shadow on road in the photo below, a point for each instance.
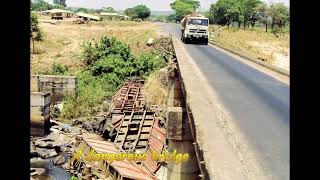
(195, 43)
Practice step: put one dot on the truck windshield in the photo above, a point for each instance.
(203, 22)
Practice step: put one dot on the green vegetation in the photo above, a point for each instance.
(41, 5)
(109, 62)
(108, 9)
(56, 69)
(248, 12)
(60, 3)
(74, 178)
(84, 10)
(172, 18)
(36, 33)
(140, 11)
(183, 7)
(91, 11)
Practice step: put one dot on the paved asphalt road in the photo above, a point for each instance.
(258, 103)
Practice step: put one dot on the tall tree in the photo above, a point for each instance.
(141, 11)
(225, 12)
(263, 14)
(128, 12)
(279, 14)
(35, 31)
(209, 14)
(249, 11)
(184, 7)
(241, 11)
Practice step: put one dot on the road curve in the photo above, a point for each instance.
(258, 103)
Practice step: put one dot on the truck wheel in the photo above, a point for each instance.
(206, 42)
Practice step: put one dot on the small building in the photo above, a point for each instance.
(88, 16)
(58, 13)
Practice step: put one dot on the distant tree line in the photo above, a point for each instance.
(137, 12)
(244, 13)
(247, 12)
(41, 5)
(104, 9)
(60, 2)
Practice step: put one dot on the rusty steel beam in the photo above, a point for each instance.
(129, 97)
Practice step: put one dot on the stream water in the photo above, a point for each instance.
(52, 172)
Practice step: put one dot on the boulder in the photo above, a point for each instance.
(37, 171)
(59, 139)
(76, 122)
(45, 153)
(93, 125)
(58, 160)
(44, 143)
(150, 42)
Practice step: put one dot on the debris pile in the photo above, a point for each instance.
(61, 139)
(128, 128)
(80, 21)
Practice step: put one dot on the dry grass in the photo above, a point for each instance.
(155, 92)
(62, 43)
(255, 43)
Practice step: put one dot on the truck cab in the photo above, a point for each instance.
(195, 28)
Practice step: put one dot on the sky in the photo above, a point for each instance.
(155, 5)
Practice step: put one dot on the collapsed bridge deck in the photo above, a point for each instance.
(132, 129)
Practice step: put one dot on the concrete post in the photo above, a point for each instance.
(39, 113)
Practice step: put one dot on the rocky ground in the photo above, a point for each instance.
(53, 151)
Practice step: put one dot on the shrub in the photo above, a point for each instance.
(90, 94)
(92, 51)
(147, 63)
(59, 69)
(109, 62)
